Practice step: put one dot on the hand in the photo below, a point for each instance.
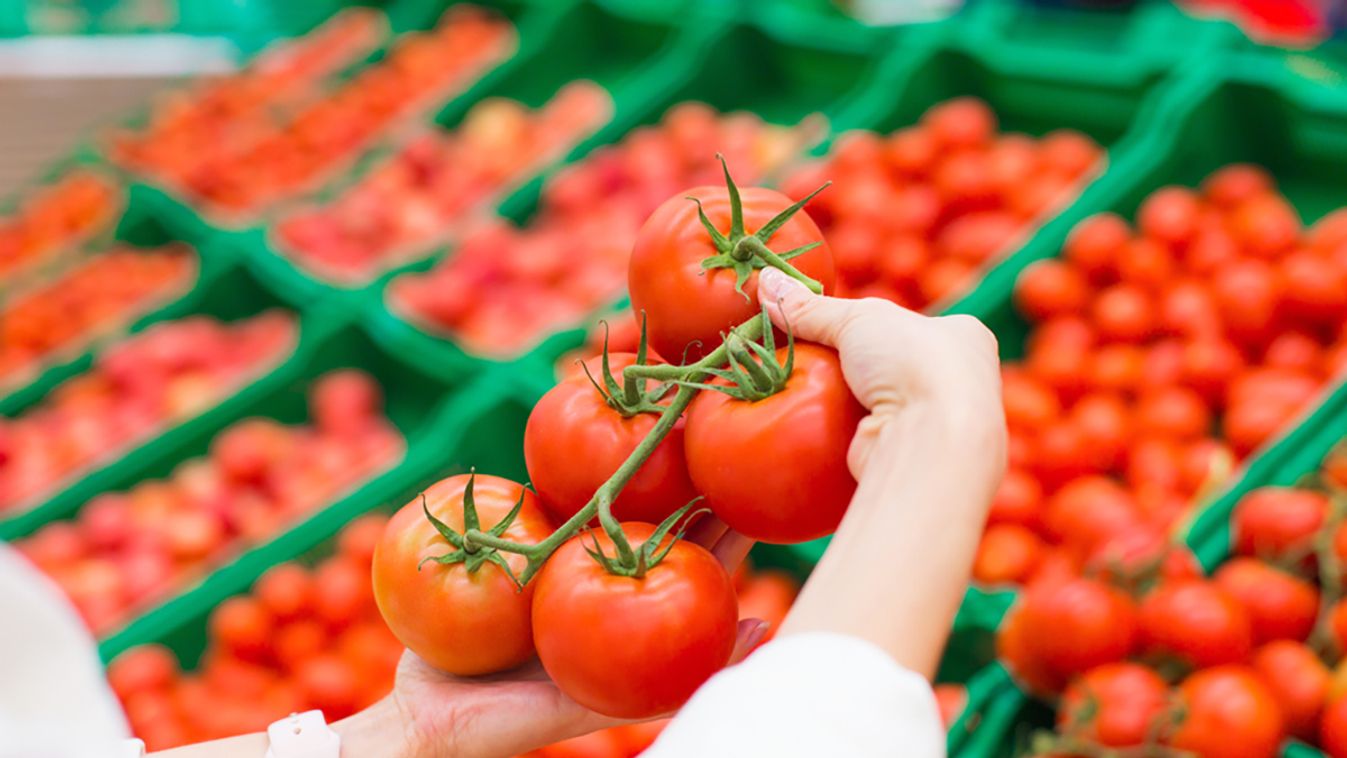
(893, 357)
(506, 714)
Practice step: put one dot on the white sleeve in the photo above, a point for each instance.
(54, 701)
(809, 695)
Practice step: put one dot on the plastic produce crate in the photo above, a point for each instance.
(479, 425)
(783, 76)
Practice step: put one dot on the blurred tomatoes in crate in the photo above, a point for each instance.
(435, 184)
(127, 550)
(55, 219)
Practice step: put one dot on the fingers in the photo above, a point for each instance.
(793, 307)
(706, 531)
(750, 633)
(731, 550)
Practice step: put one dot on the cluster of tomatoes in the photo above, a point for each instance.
(230, 112)
(1249, 647)
(1160, 355)
(127, 549)
(418, 72)
(917, 215)
(506, 288)
(99, 296)
(303, 638)
(629, 636)
(59, 217)
(165, 374)
(437, 183)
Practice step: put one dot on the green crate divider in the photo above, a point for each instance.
(578, 41)
(981, 712)
(729, 66)
(478, 425)
(229, 294)
(141, 231)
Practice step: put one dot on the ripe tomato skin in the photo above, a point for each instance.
(684, 303)
(573, 417)
(1275, 521)
(1299, 680)
(1333, 728)
(810, 424)
(1197, 622)
(633, 648)
(463, 623)
(1073, 627)
(1281, 606)
(1117, 704)
(1230, 713)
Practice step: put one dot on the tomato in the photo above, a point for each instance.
(285, 591)
(1117, 704)
(1316, 288)
(1174, 412)
(330, 684)
(1089, 510)
(685, 303)
(1029, 669)
(1298, 679)
(1049, 289)
(1273, 522)
(1125, 313)
(242, 626)
(1008, 553)
(345, 402)
(810, 423)
(1029, 404)
(1018, 500)
(141, 669)
(1188, 309)
(1169, 215)
(1281, 606)
(1265, 225)
(341, 592)
(1096, 244)
(1228, 713)
(1138, 552)
(462, 622)
(574, 416)
(768, 596)
(1147, 264)
(960, 123)
(911, 151)
(1196, 622)
(629, 647)
(1076, 626)
(1249, 295)
(1118, 368)
(1333, 728)
(1069, 152)
(1231, 185)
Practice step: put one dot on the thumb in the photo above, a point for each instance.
(815, 318)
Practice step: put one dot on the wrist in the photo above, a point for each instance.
(930, 433)
(379, 731)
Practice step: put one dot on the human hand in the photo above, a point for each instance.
(510, 713)
(893, 358)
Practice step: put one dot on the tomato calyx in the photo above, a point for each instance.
(754, 371)
(635, 562)
(466, 550)
(631, 397)
(745, 253)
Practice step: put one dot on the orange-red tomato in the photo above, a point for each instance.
(1281, 606)
(1229, 713)
(1272, 522)
(1197, 622)
(1008, 553)
(1299, 680)
(1117, 704)
(1073, 627)
(628, 647)
(465, 623)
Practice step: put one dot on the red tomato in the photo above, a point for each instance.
(1231, 185)
(1228, 713)
(142, 669)
(1124, 313)
(285, 591)
(1096, 244)
(1272, 522)
(1073, 627)
(1117, 704)
(1118, 368)
(809, 423)
(330, 685)
(242, 626)
(1265, 225)
(685, 303)
(1299, 680)
(573, 416)
(460, 622)
(1174, 412)
(1050, 288)
(1197, 622)
(1333, 728)
(1090, 510)
(345, 402)
(1281, 606)
(341, 593)
(1007, 554)
(1249, 295)
(1018, 500)
(1169, 215)
(960, 123)
(1148, 264)
(633, 648)
(1316, 288)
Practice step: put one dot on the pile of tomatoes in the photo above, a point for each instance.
(168, 373)
(230, 112)
(128, 549)
(98, 297)
(58, 217)
(430, 188)
(419, 71)
(303, 638)
(917, 215)
(1159, 357)
(505, 288)
(1249, 648)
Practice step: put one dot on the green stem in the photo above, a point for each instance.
(759, 248)
(601, 503)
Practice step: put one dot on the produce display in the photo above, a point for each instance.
(1156, 657)
(231, 112)
(97, 298)
(280, 158)
(919, 214)
(162, 376)
(505, 287)
(126, 550)
(1160, 356)
(56, 219)
(437, 183)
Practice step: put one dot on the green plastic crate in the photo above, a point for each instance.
(478, 425)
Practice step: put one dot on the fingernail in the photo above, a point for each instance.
(775, 284)
(756, 634)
